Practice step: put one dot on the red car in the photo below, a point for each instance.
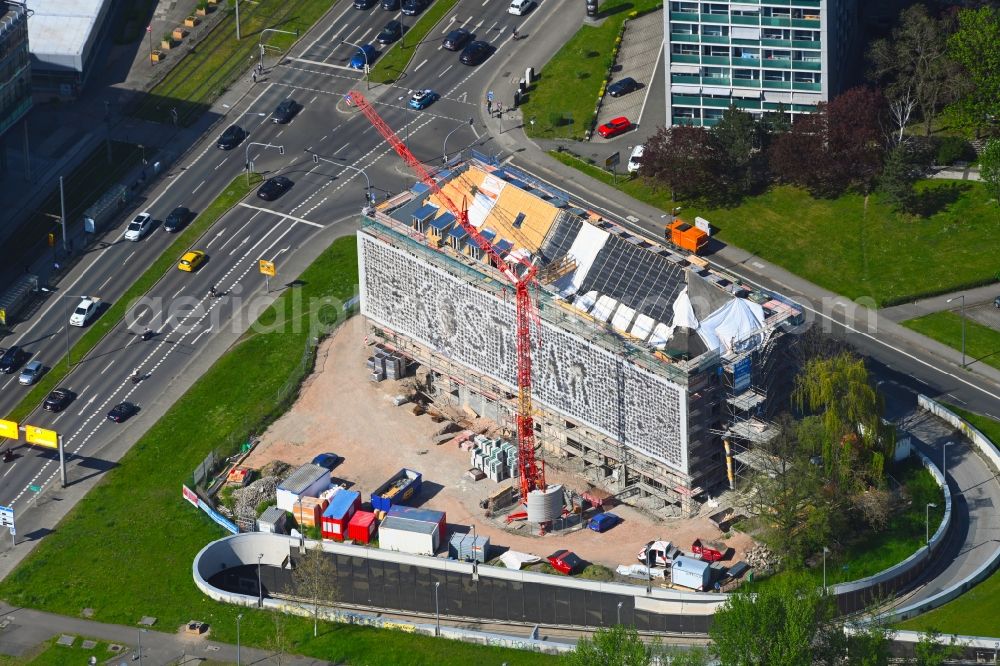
(614, 127)
(565, 561)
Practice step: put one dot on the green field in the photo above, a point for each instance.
(977, 612)
(206, 71)
(847, 247)
(130, 542)
(391, 66)
(982, 343)
(568, 88)
(50, 654)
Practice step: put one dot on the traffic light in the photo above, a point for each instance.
(52, 239)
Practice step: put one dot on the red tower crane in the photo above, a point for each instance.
(532, 474)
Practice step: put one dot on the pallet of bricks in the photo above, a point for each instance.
(496, 458)
(385, 364)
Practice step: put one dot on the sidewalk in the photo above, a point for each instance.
(21, 630)
(973, 297)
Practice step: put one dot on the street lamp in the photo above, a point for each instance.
(368, 83)
(927, 523)
(444, 146)
(247, 165)
(368, 183)
(238, 618)
(437, 610)
(260, 584)
(261, 45)
(620, 612)
(141, 632)
(962, 296)
(944, 460)
(47, 290)
(825, 551)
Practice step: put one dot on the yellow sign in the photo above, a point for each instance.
(41, 436)
(267, 267)
(9, 430)
(3, 316)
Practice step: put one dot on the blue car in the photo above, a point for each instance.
(327, 460)
(366, 54)
(603, 522)
(423, 98)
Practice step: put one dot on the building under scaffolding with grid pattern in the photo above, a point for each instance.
(645, 360)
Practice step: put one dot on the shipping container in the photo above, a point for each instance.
(408, 536)
(686, 237)
(308, 511)
(422, 515)
(361, 528)
(709, 551)
(466, 547)
(402, 487)
(272, 521)
(307, 481)
(338, 514)
(689, 572)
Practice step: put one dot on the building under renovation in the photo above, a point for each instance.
(648, 366)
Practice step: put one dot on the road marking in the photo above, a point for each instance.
(233, 237)
(284, 215)
(239, 245)
(198, 337)
(219, 165)
(421, 64)
(128, 257)
(446, 70)
(279, 134)
(649, 86)
(325, 64)
(104, 284)
(198, 188)
(108, 367)
(61, 414)
(215, 238)
(337, 23)
(178, 292)
(324, 138)
(342, 147)
(313, 99)
(956, 398)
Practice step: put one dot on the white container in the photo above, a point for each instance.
(689, 572)
(408, 536)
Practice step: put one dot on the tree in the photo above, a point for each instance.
(738, 140)
(314, 579)
(930, 649)
(975, 45)
(989, 166)
(681, 158)
(854, 133)
(914, 65)
(905, 164)
(617, 646)
(800, 156)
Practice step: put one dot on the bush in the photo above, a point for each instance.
(951, 149)
(262, 507)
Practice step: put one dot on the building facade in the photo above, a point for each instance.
(759, 55)
(15, 65)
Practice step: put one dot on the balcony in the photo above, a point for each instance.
(685, 100)
(683, 37)
(746, 83)
(778, 85)
(810, 65)
(683, 120)
(744, 20)
(683, 16)
(776, 22)
(715, 60)
(806, 45)
(679, 57)
(685, 78)
(776, 42)
(746, 103)
(716, 102)
(776, 63)
(714, 39)
(812, 24)
(714, 18)
(746, 62)
(712, 81)
(812, 87)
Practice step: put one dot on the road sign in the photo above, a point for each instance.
(35, 489)
(613, 160)
(9, 430)
(267, 268)
(41, 436)
(6, 516)
(489, 96)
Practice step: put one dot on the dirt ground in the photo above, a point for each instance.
(341, 411)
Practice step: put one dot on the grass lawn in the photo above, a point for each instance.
(219, 59)
(869, 554)
(982, 343)
(126, 549)
(984, 424)
(107, 321)
(836, 244)
(391, 65)
(50, 654)
(569, 85)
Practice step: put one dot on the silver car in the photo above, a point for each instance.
(30, 373)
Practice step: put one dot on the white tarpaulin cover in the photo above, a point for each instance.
(734, 322)
(586, 302)
(660, 335)
(643, 326)
(605, 306)
(639, 571)
(515, 560)
(586, 245)
(683, 312)
(480, 209)
(623, 317)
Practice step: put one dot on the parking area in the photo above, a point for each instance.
(340, 410)
(986, 314)
(637, 58)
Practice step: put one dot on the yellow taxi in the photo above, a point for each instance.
(191, 261)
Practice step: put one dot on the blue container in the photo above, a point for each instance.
(402, 487)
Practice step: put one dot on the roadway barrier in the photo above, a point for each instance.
(982, 443)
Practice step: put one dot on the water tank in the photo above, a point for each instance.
(545, 505)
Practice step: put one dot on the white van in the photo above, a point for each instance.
(520, 7)
(635, 160)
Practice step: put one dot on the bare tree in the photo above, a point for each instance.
(900, 109)
(315, 579)
(277, 644)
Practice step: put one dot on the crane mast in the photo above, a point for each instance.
(532, 475)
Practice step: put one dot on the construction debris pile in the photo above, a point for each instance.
(247, 499)
(762, 558)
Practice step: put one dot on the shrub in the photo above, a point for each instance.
(951, 149)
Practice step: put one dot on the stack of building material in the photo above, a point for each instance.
(338, 514)
(498, 459)
(385, 364)
(466, 547)
(308, 511)
(361, 528)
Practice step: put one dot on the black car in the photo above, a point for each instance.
(274, 188)
(177, 219)
(390, 5)
(122, 411)
(10, 360)
(284, 112)
(456, 39)
(363, 4)
(232, 137)
(58, 400)
(623, 87)
(392, 31)
(413, 7)
(475, 53)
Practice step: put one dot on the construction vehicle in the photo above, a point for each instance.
(686, 237)
(532, 474)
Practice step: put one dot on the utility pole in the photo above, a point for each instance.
(62, 206)
(238, 20)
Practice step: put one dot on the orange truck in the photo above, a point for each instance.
(686, 237)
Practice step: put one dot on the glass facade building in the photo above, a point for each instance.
(15, 65)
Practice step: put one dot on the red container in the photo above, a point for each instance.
(335, 518)
(361, 529)
(709, 551)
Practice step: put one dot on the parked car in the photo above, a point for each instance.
(58, 400)
(614, 127)
(623, 87)
(520, 7)
(191, 260)
(274, 188)
(139, 227)
(365, 56)
(177, 219)
(996, 302)
(232, 137)
(413, 7)
(327, 460)
(392, 31)
(390, 5)
(603, 522)
(30, 373)
(475, 53)
(423, 98)
(565, 561)
(661, 553)
(11, 360)
(363, 4)
(122, 411)
(635, 159)
(85, 311)
(285, 111)
(456, 39)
